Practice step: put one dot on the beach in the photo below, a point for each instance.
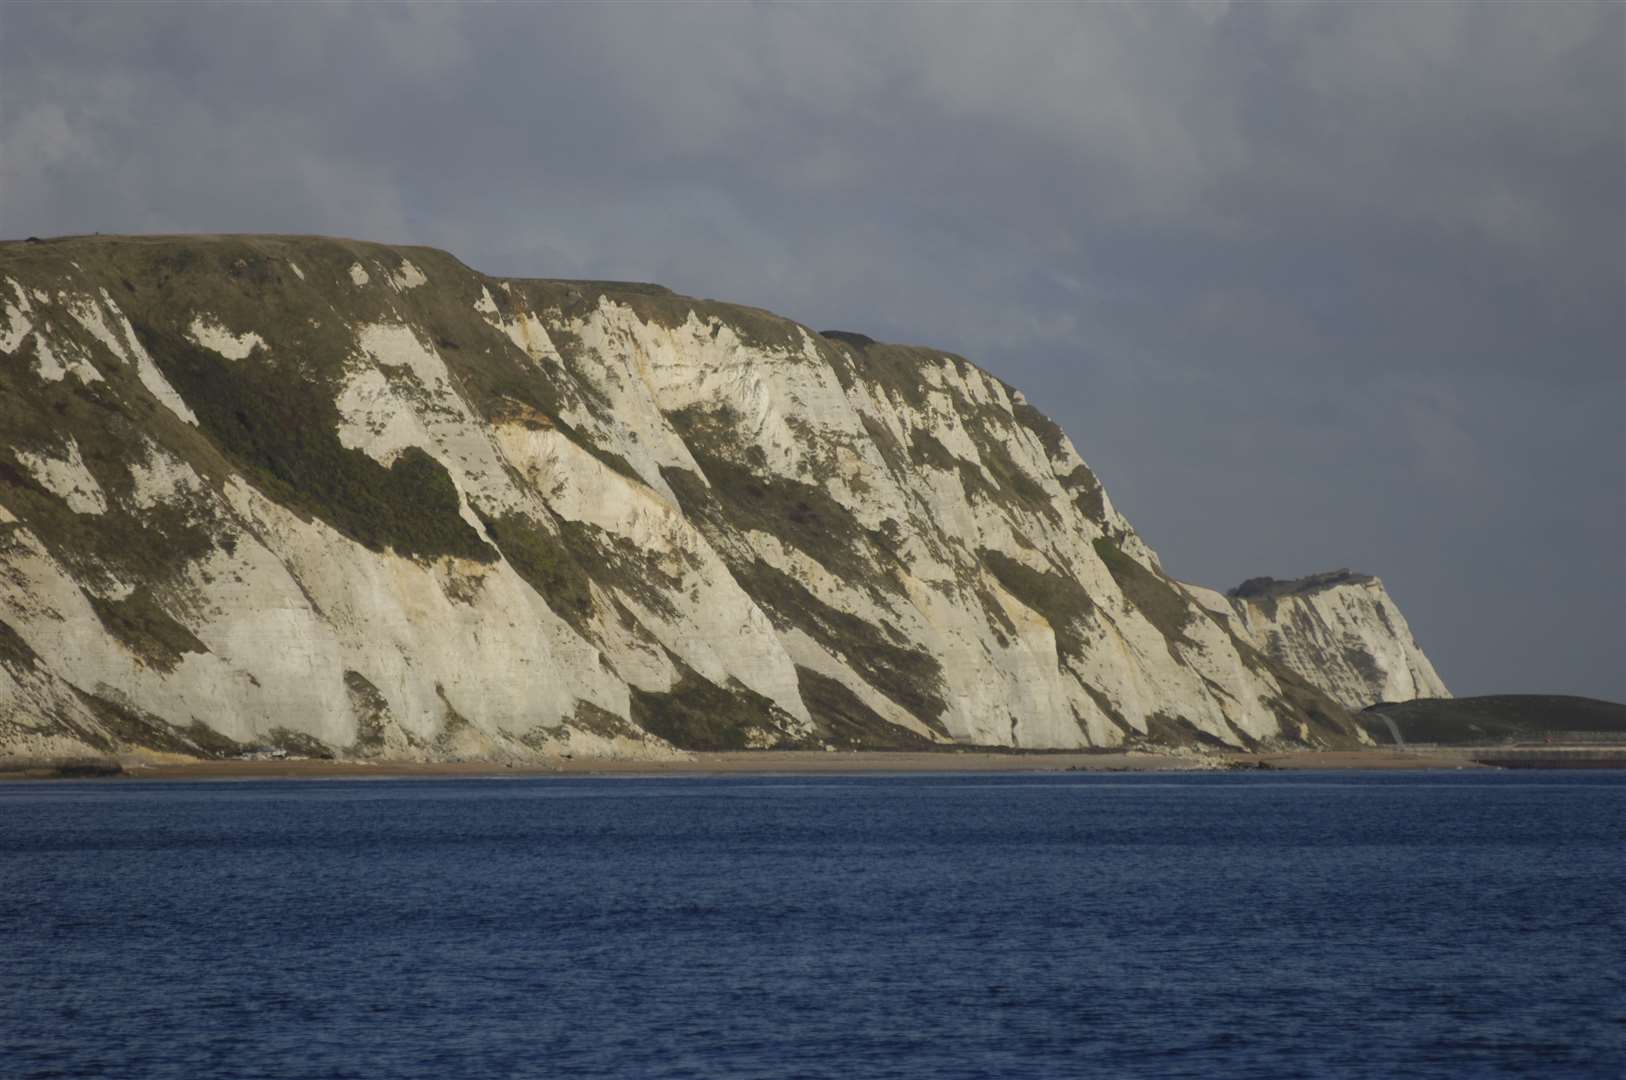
(748, 763)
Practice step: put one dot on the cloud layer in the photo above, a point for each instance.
(1310, 285)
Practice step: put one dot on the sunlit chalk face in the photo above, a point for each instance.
(582, 493)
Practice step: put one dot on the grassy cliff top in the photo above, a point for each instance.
(1260, 588)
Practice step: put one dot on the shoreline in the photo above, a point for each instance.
(753, 763)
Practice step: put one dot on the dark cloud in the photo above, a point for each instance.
(1309, 284)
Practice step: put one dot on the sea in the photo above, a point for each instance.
(928, 926)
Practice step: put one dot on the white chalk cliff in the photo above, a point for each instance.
(353, 499)
(1340, 630)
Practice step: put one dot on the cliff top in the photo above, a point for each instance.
(1268, 587)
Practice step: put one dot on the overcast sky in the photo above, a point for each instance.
(1310, 285)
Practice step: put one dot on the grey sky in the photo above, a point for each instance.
(1309, 285)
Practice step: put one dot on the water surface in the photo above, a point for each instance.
(1347, 924)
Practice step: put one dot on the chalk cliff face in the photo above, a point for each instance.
(1341, 631)
(347, 498)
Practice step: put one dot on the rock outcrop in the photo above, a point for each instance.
(1339, 630)
(344, 498)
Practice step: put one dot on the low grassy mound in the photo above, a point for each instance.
(1498, 718)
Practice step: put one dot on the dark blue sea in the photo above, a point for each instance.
(1321, 925)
